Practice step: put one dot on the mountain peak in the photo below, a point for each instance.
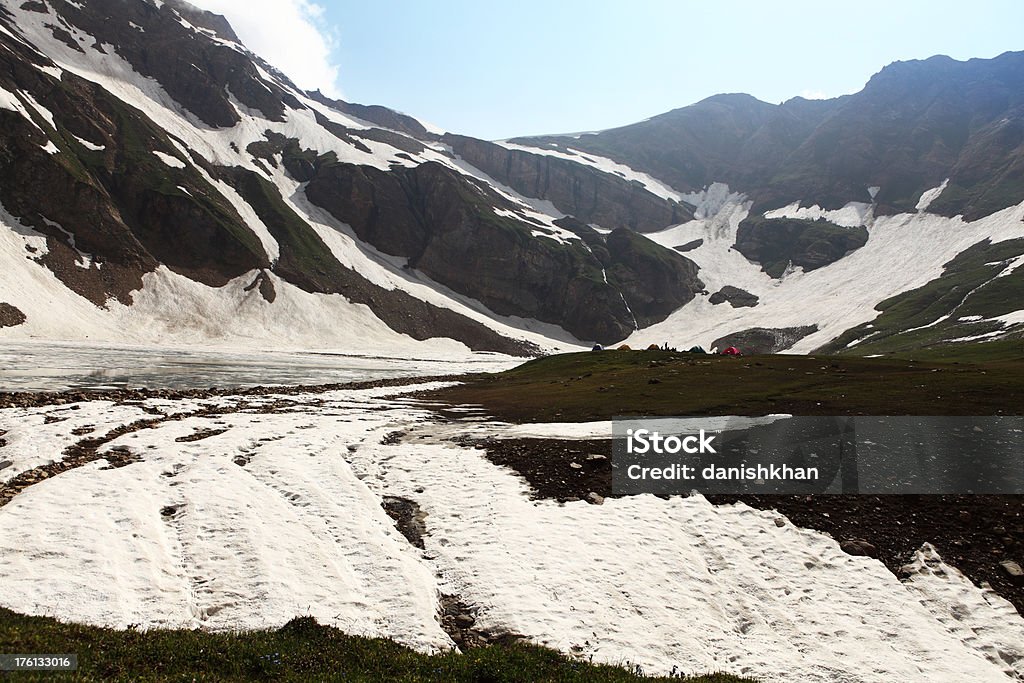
(204, 19)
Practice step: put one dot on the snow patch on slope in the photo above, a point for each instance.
(178, 310)
(853, 215)
(90, 145)
(929, 196)
(170, 160)
(835, 297)
(12, 102)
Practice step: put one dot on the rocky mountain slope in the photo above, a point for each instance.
(914, 125)
(160, 182)
(142, 141)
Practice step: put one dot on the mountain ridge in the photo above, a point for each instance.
(147, 150)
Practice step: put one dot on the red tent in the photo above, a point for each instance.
(732, 351)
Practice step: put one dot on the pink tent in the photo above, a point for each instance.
(731, 351)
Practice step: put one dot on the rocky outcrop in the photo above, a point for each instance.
(382, 116)
(778, 242)
(199, 74)
(653, 280)
(590, 195)
(689, 246)
(737, 298)
(115, 199)
(761, 340)
(446, 225)
(308, 263)
(55, 193)
(10, 316)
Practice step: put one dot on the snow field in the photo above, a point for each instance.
(280, 516)
(836, 297)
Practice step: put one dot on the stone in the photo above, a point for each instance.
(1012, 568)
(859, 547)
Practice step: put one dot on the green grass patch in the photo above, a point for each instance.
(305, 259)
(967, 287)
(602, 385)
(302, 650)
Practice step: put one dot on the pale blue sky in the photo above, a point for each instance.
(500, 69)
(496, 70)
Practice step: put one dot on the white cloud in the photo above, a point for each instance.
(290, 34)
(813, 95)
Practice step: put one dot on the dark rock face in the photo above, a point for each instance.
(129, 211)
(166, 50)
(654, 280)
(737, 298)
(38, 187)
(208, 20)
(777, 242)
(760, 340)
(122, 203)
(308, 263)
(913, 125)
(689, 246)
(382, 116)
(446, 226)
(10, 316)
(735, 139)
(590, 195)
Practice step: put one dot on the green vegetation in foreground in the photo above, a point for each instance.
(601, 385)
(301, 650)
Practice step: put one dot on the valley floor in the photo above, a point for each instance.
(381, 513)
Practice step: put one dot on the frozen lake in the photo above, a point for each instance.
(27, 366)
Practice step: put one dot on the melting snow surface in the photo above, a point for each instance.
(279, 515)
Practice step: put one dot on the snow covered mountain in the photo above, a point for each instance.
(159, 182)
